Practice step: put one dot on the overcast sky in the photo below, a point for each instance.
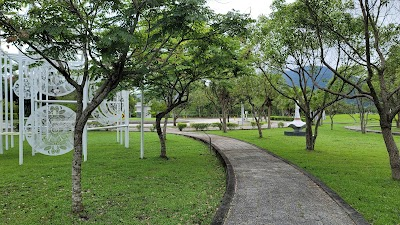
(254, 7)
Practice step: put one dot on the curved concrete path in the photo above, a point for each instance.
(264, 189)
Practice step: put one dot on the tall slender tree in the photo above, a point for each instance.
(286, 48)
(362, 33)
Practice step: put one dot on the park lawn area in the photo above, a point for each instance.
(354, 165)
(118, 187)
(145, 119)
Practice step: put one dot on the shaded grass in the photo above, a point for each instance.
(118, 186)
(354, 165)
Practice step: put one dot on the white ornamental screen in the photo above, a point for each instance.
(49, 130)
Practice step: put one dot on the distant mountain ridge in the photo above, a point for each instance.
(324, 76)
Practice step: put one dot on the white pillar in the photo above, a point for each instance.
(1, 104)
(6, 103)
(125, 95)
(142, 124)
(21, 111)
(11, 103)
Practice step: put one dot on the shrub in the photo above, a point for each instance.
(153, 128)
(284, 118)
(232, 126)
(200, 126)
(219, 125)
(181, 126)
(254, 124)
(138, 127)
(281, 125)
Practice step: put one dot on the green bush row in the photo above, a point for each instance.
(284, 118)
(200, 126)
(232, 126)
(254, 124)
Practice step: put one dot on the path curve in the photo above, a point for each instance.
(265, 189)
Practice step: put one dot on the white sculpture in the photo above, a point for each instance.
(296, 124)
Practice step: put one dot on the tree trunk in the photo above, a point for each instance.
(392, 149)
(257, 119)
(77, 204)
(309, 135)
(269, 116)
(224, 116)
(175, 118)
(260, 134)
(352, 116)
(163, 151)
(362, 122)
(398, 120)
(331, 121)
(165, 127)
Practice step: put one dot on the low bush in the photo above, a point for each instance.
(219, 125)
(281, 125)
(200, 126)
(232, 126)
(284, 118)
(254, 124)
(153, 128)
(181, 126)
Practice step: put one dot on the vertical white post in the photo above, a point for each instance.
(121, 130)
(34, 86)
(142, 124)
(117, 132)
(21, 110)
(11, 103)
(6, 104)
(1, 104)
(84, 136)
(125, 95)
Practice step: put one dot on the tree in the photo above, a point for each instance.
(362, 33)
(116, 40)
(393, 67)
(286, 48)
(256, 90)
(193, 61)
(220, 93)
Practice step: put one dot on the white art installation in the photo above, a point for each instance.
(110, 111)
(50, 126)
(49, 130)
(54, 84)
(27, 86)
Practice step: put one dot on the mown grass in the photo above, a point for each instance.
(119, 188)
(354, 165)
(145, 119)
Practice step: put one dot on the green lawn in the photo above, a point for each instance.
(355, 165)
(145, 119)
(118, 186)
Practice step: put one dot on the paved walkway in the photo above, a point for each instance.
(378, 131)
(263, 189)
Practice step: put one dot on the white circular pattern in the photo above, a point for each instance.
(55, 85)
(110, 111)
(27, 88)
(49, 130)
